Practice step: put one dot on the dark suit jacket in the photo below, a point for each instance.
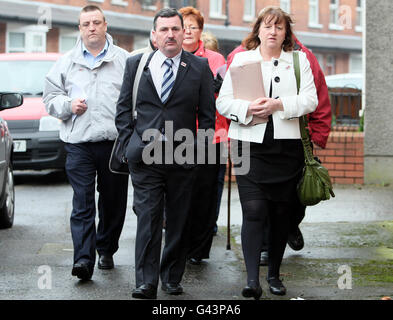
(191, 98)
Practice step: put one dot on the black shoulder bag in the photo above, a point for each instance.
(117, 162)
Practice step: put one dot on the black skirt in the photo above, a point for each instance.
(275, 168)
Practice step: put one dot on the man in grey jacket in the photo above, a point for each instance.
(82, 89)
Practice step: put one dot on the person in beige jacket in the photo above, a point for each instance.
(268, 132)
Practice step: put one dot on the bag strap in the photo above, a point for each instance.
(138, 75)
(308, 155)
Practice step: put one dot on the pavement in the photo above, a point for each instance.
(348, 253)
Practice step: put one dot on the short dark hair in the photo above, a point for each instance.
(167, 13)
(90, 8)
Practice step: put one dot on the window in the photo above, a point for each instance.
(216, 9)
(67, 39)
(330, 64)
(25, 38)
(355, 63)
(119, 3)
(313, 14)
(177, 4)
(333, 18)
(16, 42)
(359, 15)
(249, 10)
(286, 5)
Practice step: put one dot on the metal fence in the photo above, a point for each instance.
(346, 104)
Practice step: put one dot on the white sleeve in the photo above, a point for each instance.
(233, 109)
(307, 100)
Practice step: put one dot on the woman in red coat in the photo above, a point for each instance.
(204, 205)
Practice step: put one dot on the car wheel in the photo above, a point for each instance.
(7, 210)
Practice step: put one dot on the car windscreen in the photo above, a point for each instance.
(26, 77)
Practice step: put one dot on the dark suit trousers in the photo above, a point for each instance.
(151, 184)
(84, 162)
(203, 214)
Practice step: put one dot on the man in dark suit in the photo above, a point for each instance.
(175, 90)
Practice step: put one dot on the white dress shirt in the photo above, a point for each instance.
(158, 68)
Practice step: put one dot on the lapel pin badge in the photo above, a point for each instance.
(183, 64)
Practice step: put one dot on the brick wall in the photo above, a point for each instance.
(343, 157)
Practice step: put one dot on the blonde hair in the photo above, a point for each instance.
(209, 41)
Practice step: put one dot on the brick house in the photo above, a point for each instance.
(331, 28)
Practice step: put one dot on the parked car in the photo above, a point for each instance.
(7, 193)
(37, 144)
(345, 80)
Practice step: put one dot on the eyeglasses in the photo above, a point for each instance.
(191, 28)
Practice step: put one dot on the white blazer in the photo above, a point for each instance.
(285, 123)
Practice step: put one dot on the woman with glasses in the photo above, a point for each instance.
(205, 194)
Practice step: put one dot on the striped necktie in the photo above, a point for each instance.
(167, 81)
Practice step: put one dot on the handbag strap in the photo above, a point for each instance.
(308, 155)
(138, 75)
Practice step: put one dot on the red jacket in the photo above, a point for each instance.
(215, 60)
(319, 121)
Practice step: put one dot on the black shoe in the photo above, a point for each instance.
(264, 258)
(105, 262)
(252, 290)
(195, 261)
(172, 288)
(145, 291)
(276, 287)
(83, 270)
(295, 240)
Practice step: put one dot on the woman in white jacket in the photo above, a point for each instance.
(270, 127)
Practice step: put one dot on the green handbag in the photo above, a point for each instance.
(315, 184)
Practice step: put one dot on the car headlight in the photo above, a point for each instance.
(49, 123)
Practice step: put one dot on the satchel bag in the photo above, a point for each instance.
(117, 161)
(315, 184)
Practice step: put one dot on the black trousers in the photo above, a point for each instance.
(85, 162)
(152, 184)
(203, 213)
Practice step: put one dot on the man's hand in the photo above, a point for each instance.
(78, 106)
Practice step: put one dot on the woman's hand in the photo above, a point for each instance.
(264, 107)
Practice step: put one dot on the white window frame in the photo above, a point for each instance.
(314, 5)
(121, 3)
(249, 16)
(216, 14)
(30, 31)
(66, 33)
(334, 25)
(331, 65)
(285, 5)
(357, 56)
(360, 13)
